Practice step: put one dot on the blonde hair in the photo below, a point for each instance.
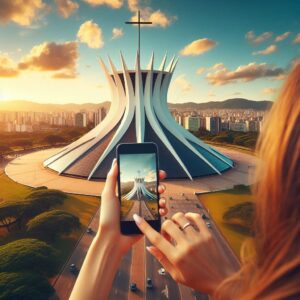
(274, 271)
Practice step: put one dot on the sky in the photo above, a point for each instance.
(133, 164)
(49, 49)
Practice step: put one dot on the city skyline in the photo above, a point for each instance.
(205, 41)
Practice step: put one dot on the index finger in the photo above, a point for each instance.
(153, 236)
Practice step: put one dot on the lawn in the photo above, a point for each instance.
(84, 207)
(217, 204)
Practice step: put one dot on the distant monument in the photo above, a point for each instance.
(139, 113)
(139, 190)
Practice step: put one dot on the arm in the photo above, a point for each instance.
(103, 257)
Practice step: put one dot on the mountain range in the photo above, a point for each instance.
(236, 103)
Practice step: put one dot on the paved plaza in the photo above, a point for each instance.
(28, 170)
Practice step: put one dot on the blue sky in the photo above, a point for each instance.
(138, 164)
(241, 49)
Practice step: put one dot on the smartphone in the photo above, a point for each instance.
(138, 185)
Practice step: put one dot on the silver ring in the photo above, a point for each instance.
(186, 225)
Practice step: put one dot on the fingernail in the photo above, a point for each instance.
(137, 219)
(113, 162)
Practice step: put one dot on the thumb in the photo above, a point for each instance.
(111, 180)
(161, 258)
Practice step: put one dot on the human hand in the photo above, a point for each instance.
(194, 258)
(109, 226)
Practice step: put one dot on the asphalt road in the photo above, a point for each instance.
(139, 207)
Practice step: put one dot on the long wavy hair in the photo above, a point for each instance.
(273, 272)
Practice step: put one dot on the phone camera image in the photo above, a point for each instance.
(138, 186)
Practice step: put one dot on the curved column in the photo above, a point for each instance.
(149, 96)
(173, 124)
(163, 118)
(112, 118)
(139, 100)
(126, 120)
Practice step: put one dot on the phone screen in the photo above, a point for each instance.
(138, 186)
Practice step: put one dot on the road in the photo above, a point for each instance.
(139, 207)
(139, 266)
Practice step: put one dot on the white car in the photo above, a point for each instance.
(162, 271)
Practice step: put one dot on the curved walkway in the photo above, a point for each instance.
(28, 170)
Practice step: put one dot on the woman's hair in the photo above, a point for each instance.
(274, 271)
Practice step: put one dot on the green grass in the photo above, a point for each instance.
(10, 190)
(217, 204)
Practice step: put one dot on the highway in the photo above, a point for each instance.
(141, 265)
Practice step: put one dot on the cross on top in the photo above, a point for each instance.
(138, 22)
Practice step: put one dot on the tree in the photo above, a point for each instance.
(23, 143)
(54, 139)
(42, 199)
(29, 254)
(241, 214)
(51, 224)
(3, 150)
(24, 285)
(11, 212)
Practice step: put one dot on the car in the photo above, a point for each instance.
(205, 217)
(89, 230)
(162, 271)
(73, 269)
(208, 225)
(149, 283)
(133, 287)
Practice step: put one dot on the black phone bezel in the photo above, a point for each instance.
(129, 227)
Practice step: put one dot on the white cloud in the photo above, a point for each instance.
(181, 82)
(200, 70)
(253, 39)
(157, 17)
(198, 47)
(244, 73)
(7, 66)
(282, 37)
(217, 66)
(22, 12)
(267, 51)
(66, 8)
(52, 57)
(117, 33)
(115, 4)
(91, 34)
(296, 40)
(269, 91)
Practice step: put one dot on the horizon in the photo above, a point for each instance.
(41, 61)
(105, 101)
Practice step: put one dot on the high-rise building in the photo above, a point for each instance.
(191, 123)
(80, 119)
(213, 124)
(251, 126)
(238, 126)
(99, 115)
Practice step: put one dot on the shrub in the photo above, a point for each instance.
(51, 224)
(24, 285)
(28, 254)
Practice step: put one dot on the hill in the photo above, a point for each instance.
(236, 103)
(22, 105)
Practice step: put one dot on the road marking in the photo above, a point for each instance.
(165, 292)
